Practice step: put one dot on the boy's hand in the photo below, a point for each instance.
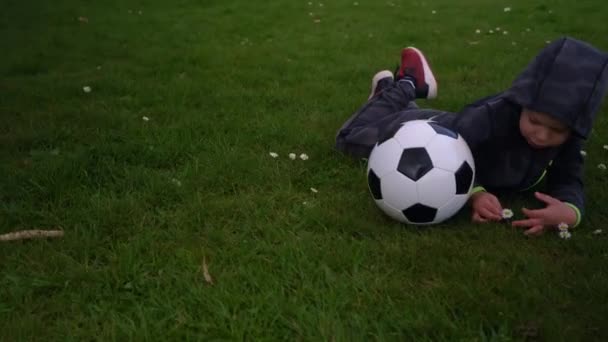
(553, 214)
(486, 207)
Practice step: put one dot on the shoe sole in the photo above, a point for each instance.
(429, 78)
(377, 77)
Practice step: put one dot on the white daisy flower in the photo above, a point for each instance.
(86, 89)
(507, 9)
(498, 29)
(491, 31)
(597, 231)
(434, 12)
(562, 227)
(505, 32)
(583, 153)
(565, 234)
(605, 147)
(304, 156)
(292, 156)
(507, 214)
(273, 154)
(601, 166)
(145, 118)
(314, 190)
(478, 31)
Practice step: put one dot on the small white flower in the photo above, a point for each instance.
(507, 214)
(86, 89)
(292, 156)
(273, 154)
(597, 231)
(491, 31)
(507, 9)
(562, 227)
(145, 118)
(547, 41)
(355, 3)
(304, 156)
(434, 12)
(320, 5)
(583, 153)
(314, 190)
(565, 235)
(505, 32)
(176, 181)
(605, 147)
(601, 166)
(309, 3)
(478, 31)
(498, 29)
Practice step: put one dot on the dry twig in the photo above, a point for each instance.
(31, 234)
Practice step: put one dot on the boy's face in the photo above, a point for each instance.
(542, 130)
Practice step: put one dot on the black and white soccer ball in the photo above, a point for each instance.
(422, 174)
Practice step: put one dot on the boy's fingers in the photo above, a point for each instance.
(545, 198)
(478, 219)
(497, 205)
(536, 230)
(489, 214)
(532, 222)
(532, 213)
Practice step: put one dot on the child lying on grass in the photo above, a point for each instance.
(533, 130)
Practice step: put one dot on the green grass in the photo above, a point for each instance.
(224, 83)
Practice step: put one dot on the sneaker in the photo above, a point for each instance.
(380, 81)
(415, 68)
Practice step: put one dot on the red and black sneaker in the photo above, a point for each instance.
(416, 68)
(380, 81)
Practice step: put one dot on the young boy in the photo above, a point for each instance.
(533, 130)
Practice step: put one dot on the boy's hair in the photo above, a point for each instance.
(567, 80)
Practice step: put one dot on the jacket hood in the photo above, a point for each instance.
(566, 80)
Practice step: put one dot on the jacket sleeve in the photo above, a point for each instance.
(476, 124)
(565, 177)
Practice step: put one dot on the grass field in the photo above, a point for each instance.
(146, 205)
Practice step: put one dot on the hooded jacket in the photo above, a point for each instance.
(566, 80)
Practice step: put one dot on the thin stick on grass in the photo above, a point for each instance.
(31, 234)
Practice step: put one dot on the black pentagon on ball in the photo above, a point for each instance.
(464, 178)
(442, 130)
(415, 163)
(374, 184)
(420, 213)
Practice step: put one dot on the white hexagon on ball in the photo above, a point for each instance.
(415, 133)
(448, 153)
(382, 157)
(436, 188)
(398, 190)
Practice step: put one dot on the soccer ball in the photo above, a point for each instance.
(422, 174)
